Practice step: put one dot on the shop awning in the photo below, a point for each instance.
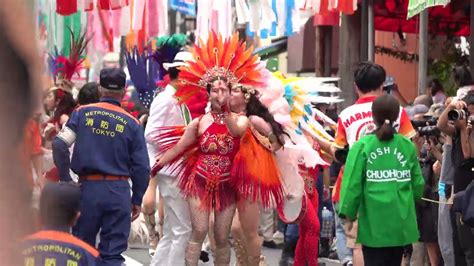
(277, 46)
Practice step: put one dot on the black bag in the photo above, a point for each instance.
(464, 204)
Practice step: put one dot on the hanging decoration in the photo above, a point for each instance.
(271, 18)
(69, 7)
(326, 7)
(186, 7)
(214, 15)
(406, 57)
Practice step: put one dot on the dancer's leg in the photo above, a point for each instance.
(240, 246)
(149, 199)
(200, 226)
(309, 230)
(248, 211)
(210, 233)
(223, 222)
(300, 257)
(149, 207)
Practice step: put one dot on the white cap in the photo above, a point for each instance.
(179, 60)
(111, 57)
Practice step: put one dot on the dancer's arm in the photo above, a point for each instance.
(265, 129)
(188, 138)
(326, 145)
(237, 124)
(260, 125)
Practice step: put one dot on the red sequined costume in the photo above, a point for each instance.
(208, 177)
(306, 252)
(255, 171)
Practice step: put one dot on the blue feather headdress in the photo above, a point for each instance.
(146, 67)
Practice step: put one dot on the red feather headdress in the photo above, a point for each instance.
(64, 67)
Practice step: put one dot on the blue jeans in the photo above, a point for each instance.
(320, 189)
(292, 233)
(343, 252)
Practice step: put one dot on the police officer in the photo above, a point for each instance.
(54, 245)
(109, 149)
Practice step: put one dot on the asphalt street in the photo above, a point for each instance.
(139, 256)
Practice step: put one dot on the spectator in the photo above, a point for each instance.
(89, 93)
(436, 91)
(59, 211)
(445, 226)
(390, 87)
(463, 162)
(427, 212)
(463, 80)
(416, 112)
(424, 99)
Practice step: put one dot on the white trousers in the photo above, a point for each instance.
(266, 224)
(176, 225)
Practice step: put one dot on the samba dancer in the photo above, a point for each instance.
(298, 162)
(206, 178)
(256, 172)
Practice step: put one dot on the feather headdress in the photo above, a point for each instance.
(167, 49)
(146, 67)
(64, 67)
(289, 100)
(227, 59)
(143, 73)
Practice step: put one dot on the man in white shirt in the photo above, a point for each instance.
(165, 110)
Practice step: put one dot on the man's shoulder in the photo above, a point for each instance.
(61, 239)
(108, 108)
(358, 106)
(164, 98)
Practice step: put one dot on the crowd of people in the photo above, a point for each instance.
(210, 163)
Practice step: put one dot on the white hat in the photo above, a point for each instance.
(179, 60)
(111, 57)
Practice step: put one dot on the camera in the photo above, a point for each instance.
(456, 114)
(388, 89)
(432, 121)
(429, 131)
(427, 127)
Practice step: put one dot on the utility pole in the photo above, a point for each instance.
(471, 40)
(364, 31)
(349, 55)
(370, 31)
(423, 52)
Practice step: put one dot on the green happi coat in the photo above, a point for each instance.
(381, 182)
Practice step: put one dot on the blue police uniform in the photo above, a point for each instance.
(50, 247)
(109, 149)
